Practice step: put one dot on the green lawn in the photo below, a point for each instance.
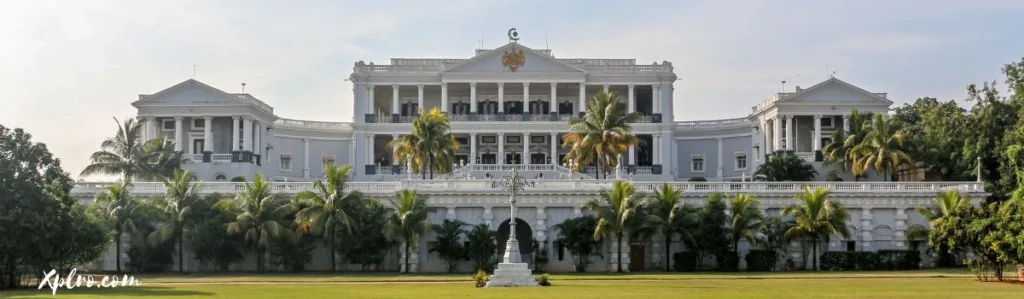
(917, 284)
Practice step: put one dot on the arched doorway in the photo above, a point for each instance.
(523, 234)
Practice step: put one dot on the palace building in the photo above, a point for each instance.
(509, 107)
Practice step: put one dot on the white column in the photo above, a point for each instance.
(605, 87)
(501, 97)
(370, 109)
(151, 128)
(371, 156)
(258, 140)
(526, 149)
(501, 148)
(394, 150)
(554, 149)
(247, 133)
(554, 99)
(789, 133)
(472, 97)
(419, 97)
(178, 131)
(720, 154)
(583, 97)
(394, 99)
(208, 134)
(656, 149)
(472, 148)
(817, 133)
(767, 146)
(526, 97)
(444, 97)
(777, 133)
(632, 101)
(846, 122)
(656, 97)
(305, 158)
(236, 140)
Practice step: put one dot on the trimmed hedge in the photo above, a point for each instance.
(761, 260)
(863, 260)
(727, 261)
(684, 261)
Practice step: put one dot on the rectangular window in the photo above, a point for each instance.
(826, 122)
(286, 162)
(697, 163)
(851, 245)
(167, 124)
(825, 141)
(198, 123)
(561, 251)
(741, 161)
(328, 160)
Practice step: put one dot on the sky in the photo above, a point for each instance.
(67, 68)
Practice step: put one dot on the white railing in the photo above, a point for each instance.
(713, 123)
(809, 157)
(431, 66)
(220, 157)
(560, 185)
(195, 158)
(312, 125)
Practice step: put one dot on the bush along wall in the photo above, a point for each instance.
(761, 260)
(684, 261)
(862, 260)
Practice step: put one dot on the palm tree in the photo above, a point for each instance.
(745, 220)
(261, 216)
(128, 156)
(840, 150)
(448, 245)
(325, 207)
(615, 210)
(666, 212)
(816, 216)
(881, 148)
(408, 221)
(431, 146)
(602, 135)
(181, 193)
(785, 167)
(945, 203)
(119, 203)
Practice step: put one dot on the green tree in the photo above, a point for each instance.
(127, 155)
(181, 193)
(119, 205)
(209, 239)
(261, 216)
(667, 214)
(482, 245)
(577, 235)
(840, 150)
(408, 221)
(745, 219)
(935, 133)
(448, 245)
(364, 244)
(773, 237)
(602, 135)
(615, 209)
(710, 236)
(816, 217)
(785, 167)
(325, 207)
(882, 148)
(431, 146)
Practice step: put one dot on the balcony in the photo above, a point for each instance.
(234, 157)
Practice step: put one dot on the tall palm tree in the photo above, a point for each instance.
(615, 210)
(127, 155)
(945, 203)
(882, 148)
(666, 213)
(816, 216)
(602, 135)
(448, 245)
(181, 193)
(785, 167)
(120, 206)
(261, 216)
(431, 146)
(745, 220)
(325, 206)
(408, 221)
(840, 150)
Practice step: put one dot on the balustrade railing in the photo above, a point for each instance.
(558, 185)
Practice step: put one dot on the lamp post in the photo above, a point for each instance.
(512, 271)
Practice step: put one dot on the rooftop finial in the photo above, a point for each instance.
(513, 36)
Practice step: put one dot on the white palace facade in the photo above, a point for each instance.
(513, 118)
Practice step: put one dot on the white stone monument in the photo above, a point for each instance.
(512, 271)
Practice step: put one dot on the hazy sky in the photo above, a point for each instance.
(67, 67)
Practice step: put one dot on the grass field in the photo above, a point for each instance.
(915, 284)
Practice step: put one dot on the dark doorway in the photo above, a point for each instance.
(537, 159)
(636, 257)
(523, 234)
(513, 159)
(462, 159)
(198, 145)
(489, 159)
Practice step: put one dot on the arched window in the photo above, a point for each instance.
(221, 178)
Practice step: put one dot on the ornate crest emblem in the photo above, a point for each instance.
(513, 59)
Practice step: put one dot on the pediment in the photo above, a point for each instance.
(835, 91)
(190, 92)
(535, 62)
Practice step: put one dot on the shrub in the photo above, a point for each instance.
(761, 260)
(542, 279)
(727, 261)
(861, 260)
(899, 259)
(684, 261)
(480, 278)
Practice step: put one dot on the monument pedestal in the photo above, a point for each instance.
(512, 275)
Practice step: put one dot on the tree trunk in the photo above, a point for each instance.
(330, 247)
(668, 252)
(814, 253)
(736, 247)
(619, 250)
(407, 255)
(181, 251)
(259, 258)
(430, 167)
(118, 252)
